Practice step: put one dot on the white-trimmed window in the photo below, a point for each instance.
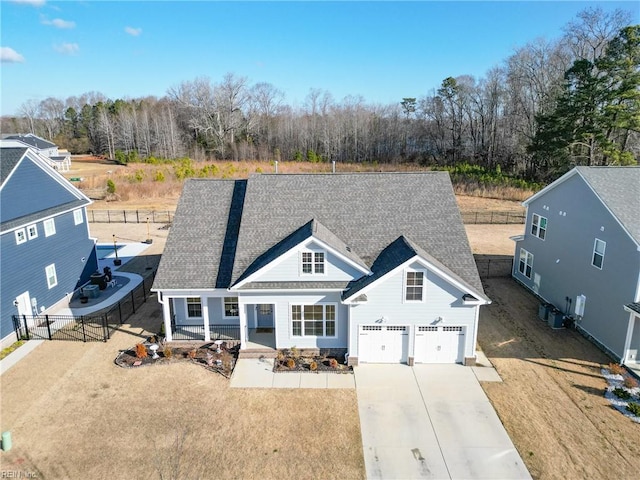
(194, 307)
(49, 227)
(414, 286)
(313, 263)
(525, 264)
(77, 216)
(21, 236)
(539, 226)
(230, 307)
(598, 253)
(317, 320)
(32, 231)
(52, 278)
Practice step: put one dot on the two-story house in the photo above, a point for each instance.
(46, 250)
(581, 253)
(377, 265)
(59, 159)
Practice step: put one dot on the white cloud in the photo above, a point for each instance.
(59, 23)
(67, 48)
(133, 31)
(9, 55)
(35, 3)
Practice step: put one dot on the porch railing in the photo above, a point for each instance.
(196, 332)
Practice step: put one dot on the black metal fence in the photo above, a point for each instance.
(84, 328)
(494, 267)
(141, 216)
(130, 216)
(491, 217)
(196, 332)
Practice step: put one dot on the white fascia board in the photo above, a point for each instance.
(482, 300)
(287, 291)
(191, 292)
(294, 251)
(390, 273)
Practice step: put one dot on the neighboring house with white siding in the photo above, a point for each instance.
(581, 253)
(377, 265)
(46, 249)
(58, 159)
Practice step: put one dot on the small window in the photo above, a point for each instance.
(21, 236)
(194, 307)
(77, 216)
(49, 227)
(525, 264)
(598, 253)
(313, 263)
(539, 226)
(32, 231)
(414, 286)
(52, 278)
(230, 306)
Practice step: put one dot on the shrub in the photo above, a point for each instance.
(279, 355)
(634, 408)
(295, 353)
(141, 351)
(291, 363)
(192, 354)
(630, 382)
(167, 351)
(621, 393)
(333, 363)
(111, 187)
(615, 369)
(313, 366)
(158, 176)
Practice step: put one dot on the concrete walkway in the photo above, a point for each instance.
(258, 373)
(431, 422)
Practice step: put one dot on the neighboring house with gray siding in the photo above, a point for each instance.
(44, 237)
(581, 253)
(59, 159)
(376, 265)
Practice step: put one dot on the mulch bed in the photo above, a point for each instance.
(205, 355)
(287, 362)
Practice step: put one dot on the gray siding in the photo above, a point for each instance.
(290, 269)
(22, 267)
(214, 305)
(576, 218)
(31, 190)
(385, 300)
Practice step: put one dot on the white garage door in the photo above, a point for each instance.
(383, 343)
(439, 344)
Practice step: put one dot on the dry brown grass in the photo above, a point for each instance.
(74, 414)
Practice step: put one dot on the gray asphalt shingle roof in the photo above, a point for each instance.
(34, 140)
(619, 189)
(9, 158)
(634, 306)
(365, 212)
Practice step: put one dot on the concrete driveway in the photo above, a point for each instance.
(431, 421)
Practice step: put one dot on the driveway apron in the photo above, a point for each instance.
(433, 422)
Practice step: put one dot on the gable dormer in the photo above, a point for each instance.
(310, 254)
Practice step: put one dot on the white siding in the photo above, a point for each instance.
(289, 269)
(385, 305)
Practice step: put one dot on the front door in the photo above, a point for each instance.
(264, 313)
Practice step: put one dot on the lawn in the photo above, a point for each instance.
(74, 414)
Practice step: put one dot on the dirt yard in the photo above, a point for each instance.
(552, 398)
(74, 414)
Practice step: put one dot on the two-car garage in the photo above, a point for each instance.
(431, 343)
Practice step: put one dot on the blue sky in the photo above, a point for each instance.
(383, 51)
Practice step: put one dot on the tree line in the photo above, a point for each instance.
(549, 106)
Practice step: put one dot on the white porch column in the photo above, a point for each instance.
(166, 315)
(204, 304)
(627, 340)
(242, 312)
(475, 331)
